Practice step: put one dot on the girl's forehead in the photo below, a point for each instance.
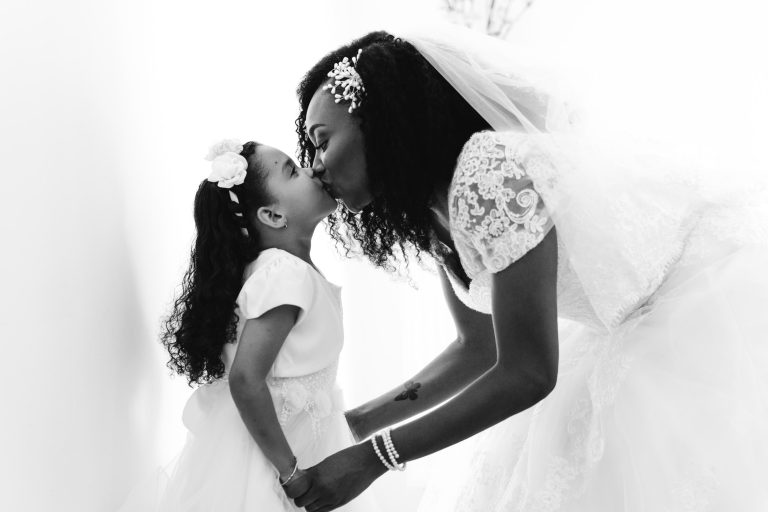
(272, 159)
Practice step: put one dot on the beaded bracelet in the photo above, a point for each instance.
(293, 473)
(381, 457)
(392, 451)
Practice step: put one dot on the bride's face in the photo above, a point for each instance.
(339, 154)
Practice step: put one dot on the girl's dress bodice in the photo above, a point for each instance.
(302, 379)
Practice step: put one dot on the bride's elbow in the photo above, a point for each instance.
(536, 381)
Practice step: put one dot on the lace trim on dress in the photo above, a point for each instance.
(315, 394)
(496, 214)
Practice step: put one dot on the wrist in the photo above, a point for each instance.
(287, 468)
(357, 420)
(369, 460)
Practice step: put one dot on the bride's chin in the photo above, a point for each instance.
(350, 209)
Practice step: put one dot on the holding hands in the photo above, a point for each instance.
(339, 478)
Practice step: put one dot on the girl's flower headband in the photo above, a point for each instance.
(228, 166)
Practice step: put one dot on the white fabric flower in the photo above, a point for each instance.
(323, 404)
(228, 169)
(224, 146)
(296, 395)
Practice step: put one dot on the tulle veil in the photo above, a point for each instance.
(623, 205)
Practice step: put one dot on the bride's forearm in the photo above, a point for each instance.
(454, 369)
(492, 398)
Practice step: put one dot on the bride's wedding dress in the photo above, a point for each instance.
(661, 402)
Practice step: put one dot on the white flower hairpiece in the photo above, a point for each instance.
(228, 166)
(346, 77)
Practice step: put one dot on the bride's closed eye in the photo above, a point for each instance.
(323, 146)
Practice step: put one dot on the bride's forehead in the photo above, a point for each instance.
(323, 108)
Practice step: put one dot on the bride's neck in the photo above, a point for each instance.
(439, 204)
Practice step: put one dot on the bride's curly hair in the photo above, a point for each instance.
(203, 318)
(414, 125)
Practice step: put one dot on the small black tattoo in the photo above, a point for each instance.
(411, 391)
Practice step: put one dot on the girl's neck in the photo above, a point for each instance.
(298, 246)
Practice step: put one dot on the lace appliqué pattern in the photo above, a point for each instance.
(315, 394)
(496, 214)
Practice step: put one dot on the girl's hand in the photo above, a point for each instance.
(299, 484)
(340, 478)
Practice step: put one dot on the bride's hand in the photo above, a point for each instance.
(340, 478)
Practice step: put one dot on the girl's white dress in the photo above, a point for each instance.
(221, 468)
(661, 402)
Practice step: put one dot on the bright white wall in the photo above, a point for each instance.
(106, 109)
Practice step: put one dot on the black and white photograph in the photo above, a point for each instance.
(378, 256)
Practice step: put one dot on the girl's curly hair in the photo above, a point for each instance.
(203, 318)
(414, 125)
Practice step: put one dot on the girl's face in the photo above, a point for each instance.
(339, 150)
(299, 198)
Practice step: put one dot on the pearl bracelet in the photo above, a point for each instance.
(392, 451)
(381, 457)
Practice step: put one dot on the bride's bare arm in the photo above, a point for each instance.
(524, 298)
(462, 362)
(525, 327)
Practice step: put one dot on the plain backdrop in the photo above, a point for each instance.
(106, 110)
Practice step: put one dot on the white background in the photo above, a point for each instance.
(106, 109)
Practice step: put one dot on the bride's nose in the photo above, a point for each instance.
(318, 173)
(318, 170)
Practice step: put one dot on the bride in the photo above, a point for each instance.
(610, 310)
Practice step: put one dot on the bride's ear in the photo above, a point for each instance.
(271, 216)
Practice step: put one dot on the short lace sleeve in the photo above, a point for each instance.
(496, 214)
(276, 279)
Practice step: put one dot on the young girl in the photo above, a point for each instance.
(260, 329)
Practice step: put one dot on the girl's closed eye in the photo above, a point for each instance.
(323, 146)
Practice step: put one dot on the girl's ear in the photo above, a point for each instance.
(271, 216)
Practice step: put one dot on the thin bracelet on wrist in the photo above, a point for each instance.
(293, 473)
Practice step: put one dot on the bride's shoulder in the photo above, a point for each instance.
(493, 145)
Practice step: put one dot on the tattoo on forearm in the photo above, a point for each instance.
(411, 391)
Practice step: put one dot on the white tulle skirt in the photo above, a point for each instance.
(222, 469)
(668, 413)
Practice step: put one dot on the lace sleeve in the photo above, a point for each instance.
(496, 214)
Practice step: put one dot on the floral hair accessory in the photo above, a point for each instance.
(224, 146)
(346, 77)
(228, 166)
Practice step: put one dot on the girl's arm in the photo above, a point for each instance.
(257, 350)
(525, 325)
(463, 361)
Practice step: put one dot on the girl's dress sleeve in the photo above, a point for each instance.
(283, 280)
(497, 215)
